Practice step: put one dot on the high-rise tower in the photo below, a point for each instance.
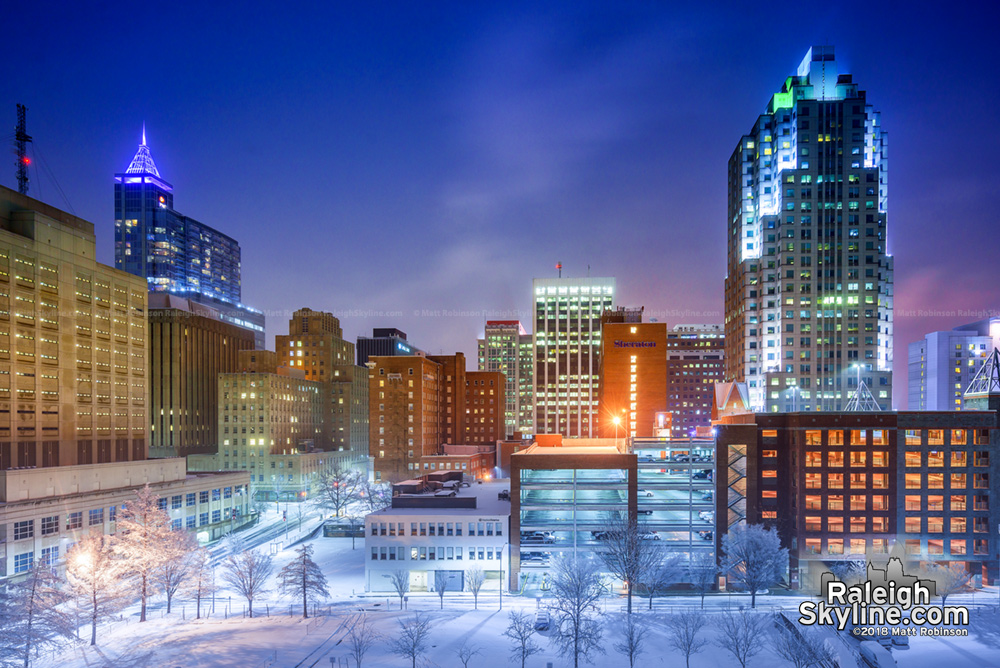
(507, 348)
(810, 281)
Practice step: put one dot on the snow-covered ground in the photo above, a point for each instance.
(227, 639)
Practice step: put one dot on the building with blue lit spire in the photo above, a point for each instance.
(176, 254)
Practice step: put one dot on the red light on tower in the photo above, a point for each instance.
(27, 160)
(559, 267)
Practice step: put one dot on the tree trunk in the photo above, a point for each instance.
(250, 606)
(702, 600)
(197, 604)
(630, 598)
(142, 613)
(93, 620)
(475, 598)
(305, 600)
(753, 598)
(170, 597)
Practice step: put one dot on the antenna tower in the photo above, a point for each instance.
(21, 138)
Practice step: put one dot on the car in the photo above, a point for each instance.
(707, 496)
(537, 537)
(645, 492)
(599, 535)
(649, 535)
(874, 655)
(644, 511)
(702, 475)
(646, 458)
(706, 515)
(542, 620)
(705, 535)
(465, 483)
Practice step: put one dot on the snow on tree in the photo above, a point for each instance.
(96, 576)
(475, 577)
(400, 581)
(848, 569)
(200, 580)
(683, 630)
(33, 616)
(340, 486)
(702, 572)
(754, 557)
(520, 630)
(664, 569)
(742, 634)
(441, 585)
(301, 577)
(576, 586)
(466, 653)
(413, 639)
(950, 579)
(375, 496)
(144, 541)
(247, 572)
(633, 643)
(624, 552)
(361, 639)
(803, 648)
(175, 570)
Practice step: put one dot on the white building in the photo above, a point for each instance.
(424, 533)
(942, 364)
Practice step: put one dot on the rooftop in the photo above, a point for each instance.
(486, 502)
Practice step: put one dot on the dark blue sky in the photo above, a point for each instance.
(431, 156)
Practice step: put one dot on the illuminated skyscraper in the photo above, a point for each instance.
(505, 347)
(809, 288)
(174, 253)
(567, 342)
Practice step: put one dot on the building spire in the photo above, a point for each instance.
(143, 163)
(143, 133)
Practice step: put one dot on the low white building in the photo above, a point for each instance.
(427, 533)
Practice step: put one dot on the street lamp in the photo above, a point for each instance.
(617, 420)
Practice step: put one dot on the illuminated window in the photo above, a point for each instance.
(835, 546)
(935, 525)
(769, 494)
(935, 458)
(935, 503)
(935, 437)
(859, 502)
(959, 459)
(913, 502)
(835, 481)
(959, 437)
(912, 525)
(859, 481)
(813, 545)
(814, 459)
(858, 458)
(835, 458)
(858, 524)
(835, 437)
(912, 481)
(769, 474)
(880, 524)
(880, 481)
(814, 523)
(958, 502)
(813, 437)
(814, 480)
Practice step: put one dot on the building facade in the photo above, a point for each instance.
(567, 346)
(73, 344)
(172, 252)
(809, 285)
(315, 345)
(384, 342)
(507, 348)
(942, 364)
(484, 407)
(633, 378)
(695, 363)
(190, 345)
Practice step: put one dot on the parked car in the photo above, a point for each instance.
(707, 496)
(599, 535)
(649, 535)
(542, 620)
(702, 475)
(537, 537)
(645, 511)
(705, 535)
(646, 458)
(645, 492)
(706, 515)
(874, 655)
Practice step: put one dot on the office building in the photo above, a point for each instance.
(384, 341)
(73, 344)
(843, 485)
(633, 379)
(809, 285)
(172, 252)
(271, 425)
(567, 342)
(942, 364)
(190, 345)
(507, 348)
(430, 536)
(695, 363)
(484, 407)
(315, 345)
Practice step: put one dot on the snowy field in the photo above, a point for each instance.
(227, 639)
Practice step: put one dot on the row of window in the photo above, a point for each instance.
(435, 553)
(436, 529)
(935, 546)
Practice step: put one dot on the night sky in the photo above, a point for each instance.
(387, 162)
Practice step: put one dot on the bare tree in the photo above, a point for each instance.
(741, 634)
(247, 572)
(662, 571)
(754, 557)
(375, 496)
(848, 569)
(466, 653)
(340, 486)
(32, 615)
(683, 629)
(950, 579)
(633, 642)
(361, 639)
(200, 581)
(441, 585)
(624, 552)
(144, 541)
(400, 580)
(302, 577)
(475, 577)
(95, 576)
(804, 648)
(175, 570)
(576, 585)
(521, 631)
(413, 638)
(702, 572)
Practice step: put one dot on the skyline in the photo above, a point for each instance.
(479, 147)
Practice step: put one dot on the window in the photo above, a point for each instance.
(880, 502)
(23, 530)
(959, 459)
(190, 521)
(216, 516)
(203, 497)
(880, 481)
(814, 459)
(912, 481)
(74, 520)
(858, 458)
(835, 546)
(814, 480)
(202, 519)
(814, 502)
(912, 525)
(880, 524)
(859, 502)
(191, 499)
(913, 502)
(835, 458)
(23, 562)
(48, 556)
(95, 517)
(913, 459)
(935, 525)
(835, 481)
(935, 459)
(959, 546)
(958, 481)
(835, 502)
(859, 481)
(858, 524)
(958, 525)
(813, 545)
(814, 523)
(217, 493)
(50, 525)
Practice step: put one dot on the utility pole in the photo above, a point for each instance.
(21, 139)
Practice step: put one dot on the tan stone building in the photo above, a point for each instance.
(73, 344)
(190, 345)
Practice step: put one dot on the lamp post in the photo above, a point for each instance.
(617, 420)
